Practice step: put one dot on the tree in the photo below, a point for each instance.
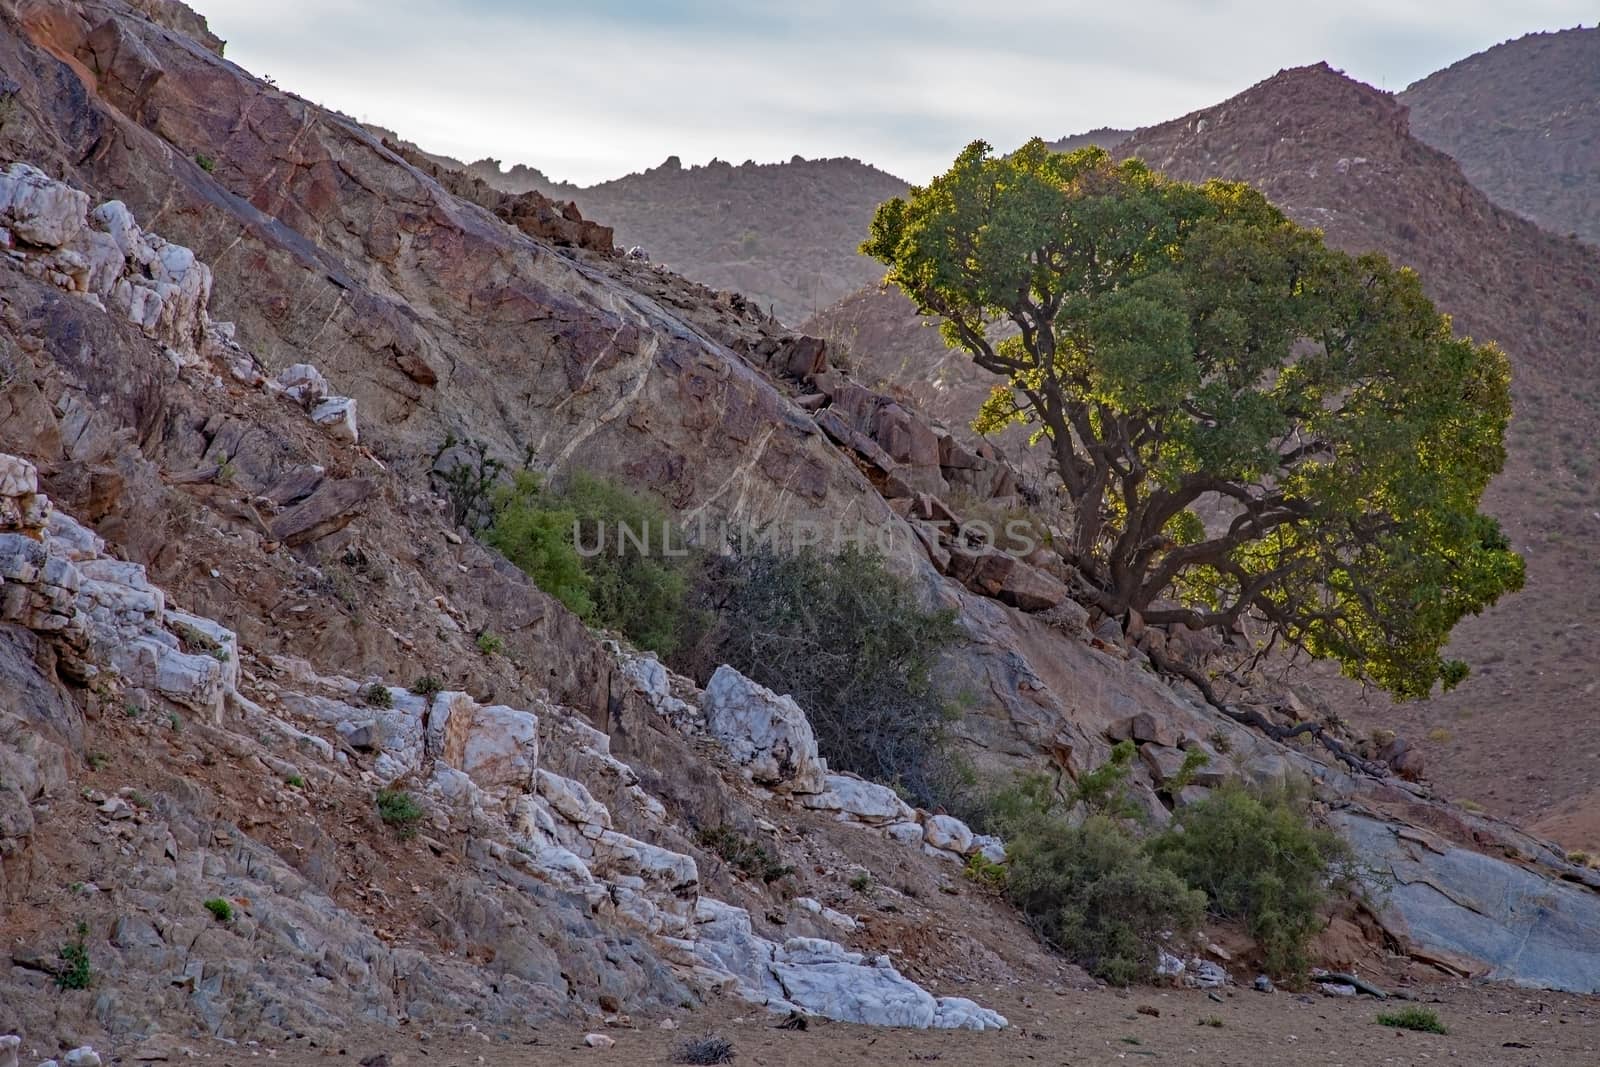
(1243, 420)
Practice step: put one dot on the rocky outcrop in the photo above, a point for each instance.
(1476, 914)
(761, 732)
(57, 579)
(765, 733)
(103, 256)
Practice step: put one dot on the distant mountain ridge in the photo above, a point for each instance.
(783, 234)
(1523, 120)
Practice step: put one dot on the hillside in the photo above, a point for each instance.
(291, 760)
(1523, 120)
(782, 234)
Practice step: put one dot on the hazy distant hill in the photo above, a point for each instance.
(783, 234)
(1523, 119)
(1105, 137)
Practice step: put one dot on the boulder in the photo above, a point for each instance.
(337, 415)
(302, 383)
(1524, 926)
(1163, 763)
(989, 847)
(948, 833)
(994, 573)
(861, 801)
(39, 210)
(18, 477)
(825, 978)
(1142, 728)
(765, 733)
(959, 1013)
(496, 746)
(326, 511)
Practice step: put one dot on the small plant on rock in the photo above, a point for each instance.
(75, 971)
(205, 163)
(984, 871)
(861, 883)
(1422, 1020)
(491, 644)
(399, 809)
(427, 686)
(377, 695)
(220, 909)
(295, 781)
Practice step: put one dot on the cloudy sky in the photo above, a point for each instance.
(593, 89)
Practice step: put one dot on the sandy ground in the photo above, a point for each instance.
(1488, 1025)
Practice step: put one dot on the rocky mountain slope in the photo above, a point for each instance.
(1523, 120)
(283, 751)
(1338, 155)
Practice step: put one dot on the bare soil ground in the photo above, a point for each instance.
(1487, 1024)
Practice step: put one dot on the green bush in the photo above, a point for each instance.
(491, 644)
(534, 532)
(638, 585)
(1423, 1020)
(845, 638)
(1258, 858)
(427, 686)
(400, 810)
(75, 971)
(612, 556)
(1094, 893)
(220, 909)
(377, 695)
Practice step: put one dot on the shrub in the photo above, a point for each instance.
(638, 585)
(985, 872)
(491, 644)
(377, 695)
(845, 638)
(1094, 893)
(400, 810)
(1257, 857)
(862, 883)
(427, 686)
(1423, 1020)
(612, 556)
(469, 480)
(532, 531)
(710, 1049)
(750, 858)
(220, 909)
(295, 781)
(205, 163)
(75, 971)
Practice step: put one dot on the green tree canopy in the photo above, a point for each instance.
(1242, 419)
